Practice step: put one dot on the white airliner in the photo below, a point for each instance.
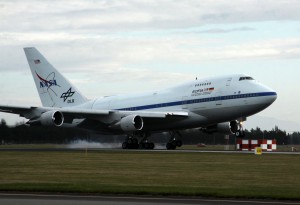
(217, 104)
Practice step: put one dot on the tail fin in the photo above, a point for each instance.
(54, 89)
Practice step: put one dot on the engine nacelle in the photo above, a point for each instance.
(52, 118)
(131, 123)
(226, 128)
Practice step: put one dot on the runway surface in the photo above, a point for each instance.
(60, 199)
(139, 150)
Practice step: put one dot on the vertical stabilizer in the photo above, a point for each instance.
(54, 89)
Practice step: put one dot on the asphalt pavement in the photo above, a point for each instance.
(73, 199)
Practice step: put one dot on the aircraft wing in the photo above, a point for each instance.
(26, 112)
(108, 117)
(34, 112)
(30, 112)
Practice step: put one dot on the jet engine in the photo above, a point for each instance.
(226, 128)
(131, 123)
(52, 118)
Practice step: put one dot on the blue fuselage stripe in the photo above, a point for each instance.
(200, 100)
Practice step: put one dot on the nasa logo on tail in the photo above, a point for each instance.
(48, 82)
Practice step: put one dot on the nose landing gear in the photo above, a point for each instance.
(240, 132)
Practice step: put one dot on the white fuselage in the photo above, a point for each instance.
(208, 101)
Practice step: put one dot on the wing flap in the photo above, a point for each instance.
(32, 112)
(84, 113)
(152, 114)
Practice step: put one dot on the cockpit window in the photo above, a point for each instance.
(246, 78)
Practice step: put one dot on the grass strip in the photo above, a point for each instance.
(153, 173)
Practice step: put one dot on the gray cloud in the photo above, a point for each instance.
(98, 36)
(106, 16)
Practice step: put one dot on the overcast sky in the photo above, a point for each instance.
(117, 47)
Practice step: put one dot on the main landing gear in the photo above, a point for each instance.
(140, 141)
(173, 142)
(132, 142)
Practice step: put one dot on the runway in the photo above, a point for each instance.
(72, 199)
(141, 150)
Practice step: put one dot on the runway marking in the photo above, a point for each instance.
(143, 198)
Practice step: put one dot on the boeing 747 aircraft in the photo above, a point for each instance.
(217, 104)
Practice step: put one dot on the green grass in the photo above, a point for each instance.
(153, 173)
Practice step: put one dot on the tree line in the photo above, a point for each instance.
(23, 134)
(281, 136)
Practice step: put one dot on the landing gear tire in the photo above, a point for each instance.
(174, 143)
(131, 143)
(170, 146)
(178, 143)
(151, 145)
(135, 141)
(146, 145)
(124, 145)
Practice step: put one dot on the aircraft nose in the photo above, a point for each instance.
(270, 94)
(273, 97)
